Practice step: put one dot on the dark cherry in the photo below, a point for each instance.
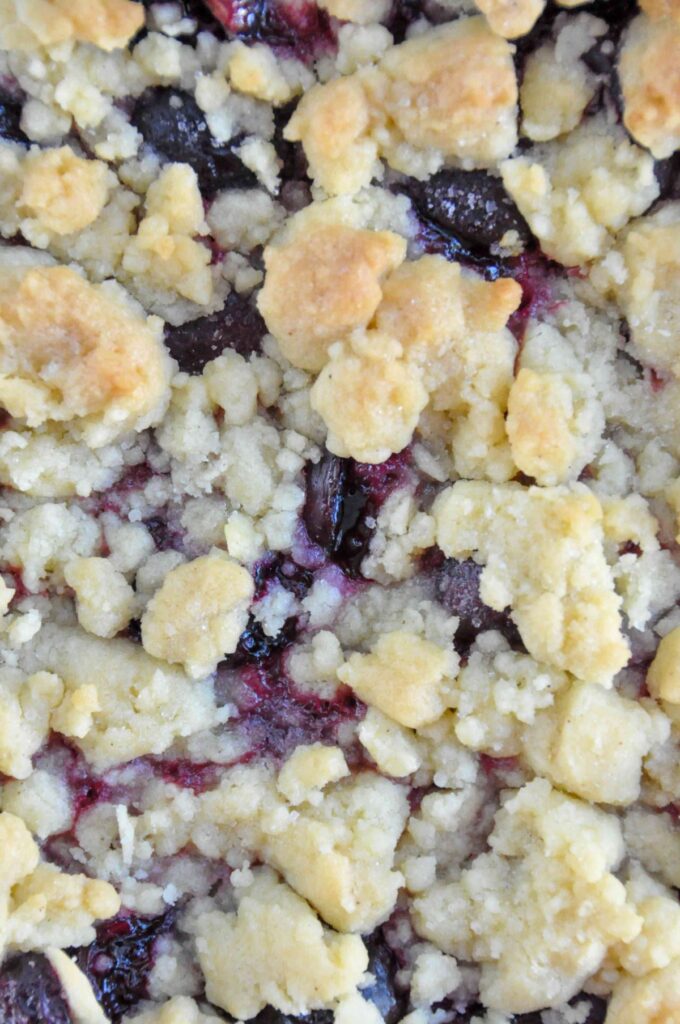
(342, 498)
(120, 959)
(238, 326)
(323, 511)
(31, 993)
(668, 176)
(255, 646)
(299, 28)
(10, 118)
(165, 530)
(291, 154)
(274, 714)
(457, 589)
(472, 207)
(173, 124)
(382, 993)
(280, 569)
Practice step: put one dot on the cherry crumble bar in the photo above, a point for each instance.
(340, 512)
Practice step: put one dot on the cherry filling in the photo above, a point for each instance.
(31, 992)
(238, 326)
(463, 215)
(10, 120)
(120, 959)
(342, 499)
(277, 717)
(300, 29)
(456, 587)
(172, 124)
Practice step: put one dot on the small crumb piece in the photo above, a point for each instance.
(435, 976)
(453, 89)
(592, 743)
(43, 801)
(27, 702)
(108, 370)
(649, 73)
(199, 613)
(308, 770)
(361, 12)
(663, 676)
(393, 748)
(164, 250)
(370, 405)
(511, 18)
(543, 554)
(406, 677)
(333, 123)
(61, 191)
(32, 24)
(105, 601)
(254, 70)
(334, 270)
(652, 999)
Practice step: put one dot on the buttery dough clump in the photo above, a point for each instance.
(78, 352)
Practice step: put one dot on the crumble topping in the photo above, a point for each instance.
(77, 352)
(550, 868)
(30, 25)
(642, 274)
(42, 906)
(404, 676)
(164, 249)
(340, 462)
(105, 601)
(577, 193)
(648, 72)
(55, 192)
(554, 576)
(198, 613)
(450, 93)
(137, 707)
(555, 419)
(511, 18)
(335, 268)
(308, 968)
(557, 85)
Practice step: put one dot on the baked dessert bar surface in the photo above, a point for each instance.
(340, 467)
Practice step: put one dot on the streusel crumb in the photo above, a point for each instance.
(108, 371)
(30, 25)
(542, 549)
(511, 18)
(335, 270)
(198, 614)
(302, 965)
(650, 83)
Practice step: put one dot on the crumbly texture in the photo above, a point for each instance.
(650, 83)
(198, 613)
(555, 579)
(311, 968)
(340, 510)
(108, 24)
(448, 94)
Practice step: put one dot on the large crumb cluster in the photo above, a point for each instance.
(340, 511)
